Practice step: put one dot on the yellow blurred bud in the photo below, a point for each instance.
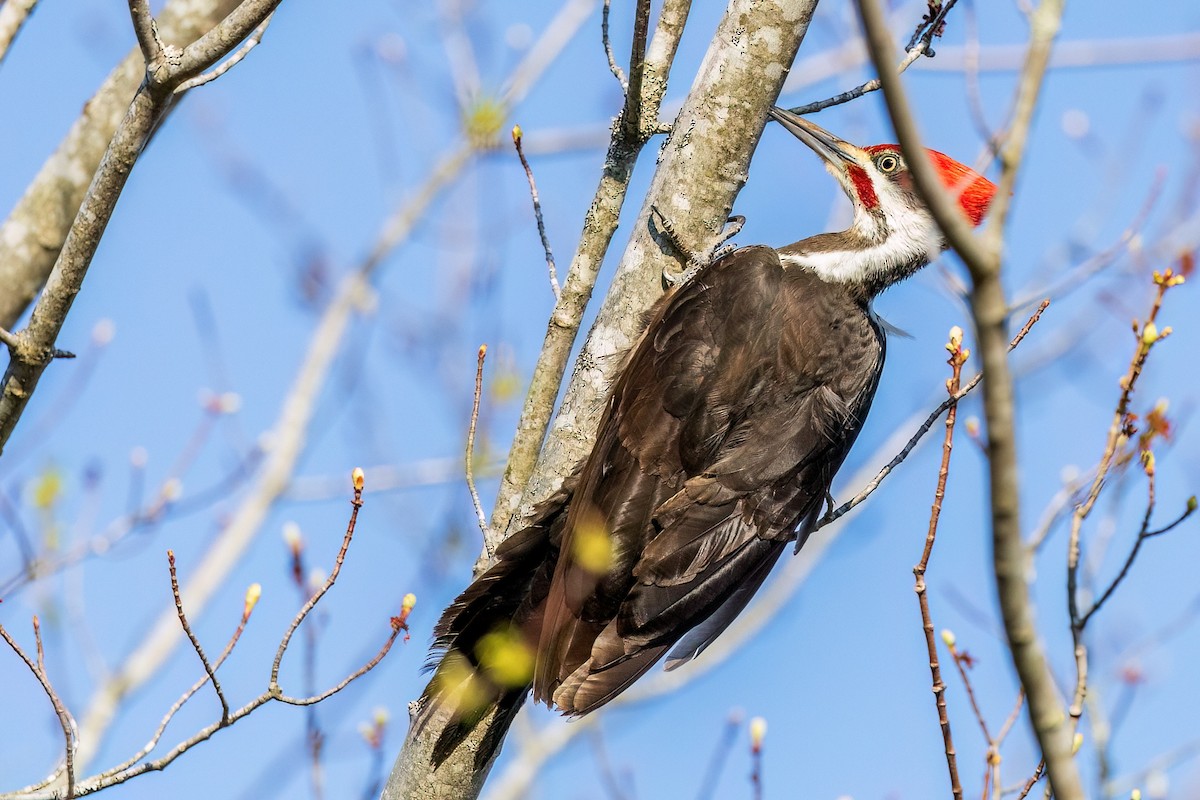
(359, 479)
(48, 488)
(1136, 794)
(252, 596)
(517, 134)
(948, 637)
(483, 120)
(408, 602)
(1150, 333)
(1076, 743)
(758, 732)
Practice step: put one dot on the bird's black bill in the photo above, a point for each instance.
(824, 143)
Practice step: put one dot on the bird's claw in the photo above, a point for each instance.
(694, 261)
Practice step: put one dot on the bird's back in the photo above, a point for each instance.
(721, 436)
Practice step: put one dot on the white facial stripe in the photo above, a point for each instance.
(905, 234)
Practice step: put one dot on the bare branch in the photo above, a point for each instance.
(949, 402)
(1147, 335)
(470, 454)
(33, 234)
(613, 66)
(537, 210)
(187, 628)
(64, 717)
(252, 595)
(254, 41)
(355, 505)
(13, 15)
(223, 38)
(958, 357)
(146, 31)
(151, 102)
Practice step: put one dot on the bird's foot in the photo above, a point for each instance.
(694, 261)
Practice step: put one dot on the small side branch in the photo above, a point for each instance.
(355, 504)
(613, 66)
(470, 454)
(958, 356)
(254, 41)
(1147, 335)
(187, 629)
(537, 210)
(912, 443)
(38, 668)
(135, 766)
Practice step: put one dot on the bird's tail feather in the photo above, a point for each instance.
(484, 643)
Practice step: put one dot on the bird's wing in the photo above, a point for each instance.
(723, 432)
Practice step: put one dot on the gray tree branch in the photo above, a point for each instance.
(982, 256)
(13, 15)
(165, 71)
(33, 234)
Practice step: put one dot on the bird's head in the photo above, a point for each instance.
(893, 234)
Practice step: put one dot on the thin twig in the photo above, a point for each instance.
(1012, 718)
(1147, 336)
(146, 31)
(537, 211)
(254, 41)
(866, 88)
(720, 755)
(64, 716)
(1142, 536)
(470, 454)
(925, 426)
(356, 504)
(1033, 779)
(613, 66)
(187, 628)
(10, 339)
(397, 626)
(958, 357)
(252, 595)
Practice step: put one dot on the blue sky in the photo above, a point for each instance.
(286, 169)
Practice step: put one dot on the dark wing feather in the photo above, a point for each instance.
(722, 435)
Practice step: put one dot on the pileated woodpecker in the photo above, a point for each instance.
(717, 447)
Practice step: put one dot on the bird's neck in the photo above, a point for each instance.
(874, 253)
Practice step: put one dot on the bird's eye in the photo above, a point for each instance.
(888, 163)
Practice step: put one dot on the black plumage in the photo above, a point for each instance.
(717, 448)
